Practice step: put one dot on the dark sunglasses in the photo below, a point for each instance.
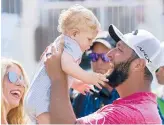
(95, 56)
(14, 78)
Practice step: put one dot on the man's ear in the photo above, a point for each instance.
(138, 65)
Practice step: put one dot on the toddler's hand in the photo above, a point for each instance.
(97, 79)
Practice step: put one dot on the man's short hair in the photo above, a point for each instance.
(147, 73)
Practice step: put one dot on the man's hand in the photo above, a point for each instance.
(56, 43)
(53, 61)
(45, 51)
(61, 111)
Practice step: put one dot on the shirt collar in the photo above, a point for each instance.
(133, 98)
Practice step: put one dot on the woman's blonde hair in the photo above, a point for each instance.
(16, 115)
(79, 17)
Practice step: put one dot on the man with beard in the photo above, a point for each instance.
(136, 57)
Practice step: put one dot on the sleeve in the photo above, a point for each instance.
(72, 48)
(108, 115)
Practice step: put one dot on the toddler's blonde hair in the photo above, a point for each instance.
(79, 17)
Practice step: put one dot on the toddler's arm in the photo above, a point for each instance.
(73, 69)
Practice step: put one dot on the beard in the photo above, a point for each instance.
(120, 74)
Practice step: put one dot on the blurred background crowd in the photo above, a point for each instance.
(28, 26)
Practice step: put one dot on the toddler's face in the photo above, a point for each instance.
(85, 38)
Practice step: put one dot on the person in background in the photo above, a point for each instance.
(86, 104)
(160, 92)
(160, 75)
(14, 84)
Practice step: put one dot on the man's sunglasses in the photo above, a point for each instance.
(95, 56)
(14, 78)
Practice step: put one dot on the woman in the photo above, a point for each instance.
(14, 86)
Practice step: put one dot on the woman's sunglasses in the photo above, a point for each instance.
(14, 78)
(95, 56)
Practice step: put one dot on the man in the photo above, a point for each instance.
(86, 104)
(160, 75)
(134, 63)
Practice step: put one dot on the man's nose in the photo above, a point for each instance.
(110, 54)
(99, 61)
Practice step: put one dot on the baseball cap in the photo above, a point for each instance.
(144, 43)
(162, 46)
(104, 38)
